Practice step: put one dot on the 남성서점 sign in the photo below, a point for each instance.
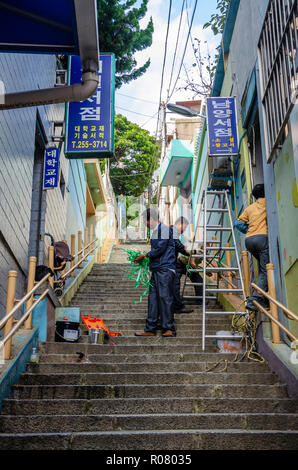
(90, 123)
(51, 168)
(222, 126)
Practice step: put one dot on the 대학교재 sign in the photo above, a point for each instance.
(51, 168)
(90, 123)
(222, 126)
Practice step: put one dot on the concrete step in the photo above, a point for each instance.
(235, 439)
(121, 378)
(76, 391)
(180, 329)
(51, 368)
(180, 339)
(148, 405)
(166, 347)
(131, 422)
(151, 358)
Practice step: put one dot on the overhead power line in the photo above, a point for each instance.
(135, 98)
(164, 62)
(177, 40)
(134, 112)
(185, 47)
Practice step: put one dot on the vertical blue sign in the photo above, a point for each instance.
(90, 123)
(222, 126)
(51, 168)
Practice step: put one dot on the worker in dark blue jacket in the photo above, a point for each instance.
(178, 228)
(162, 266)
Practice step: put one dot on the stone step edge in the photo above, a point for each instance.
(156, 415)
(157, 399)
(199, 373)
(151, 432)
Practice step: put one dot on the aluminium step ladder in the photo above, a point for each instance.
(214, 218)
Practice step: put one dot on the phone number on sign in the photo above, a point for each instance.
(85, 144)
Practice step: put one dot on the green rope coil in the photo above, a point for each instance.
(138, 272)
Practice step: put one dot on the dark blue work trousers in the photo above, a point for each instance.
(258, 246)
(194, 277)
(160, 301)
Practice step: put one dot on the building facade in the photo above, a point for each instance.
(258, 67)
(27, 212)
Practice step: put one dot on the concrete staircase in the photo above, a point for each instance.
(144, 393)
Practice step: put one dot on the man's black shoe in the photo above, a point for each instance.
(184, 310)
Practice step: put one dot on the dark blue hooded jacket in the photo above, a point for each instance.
(162, 253)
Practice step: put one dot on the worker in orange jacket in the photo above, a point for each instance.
(256, 241)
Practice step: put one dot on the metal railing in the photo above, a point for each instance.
(272, 314)
(10, 325)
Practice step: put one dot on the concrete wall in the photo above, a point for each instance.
(76, 199)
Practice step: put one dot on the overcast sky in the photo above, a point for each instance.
(143, 93)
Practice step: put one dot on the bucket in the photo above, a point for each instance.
(67, 331)
(96, 336)
(227, 345)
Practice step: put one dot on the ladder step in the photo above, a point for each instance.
(208, 241)
(199, 297)
(214, 269)
(215, 192)
(197, 284)
(201, 256)
(211, 312)
(217, 210)
(225, 336)
(218, 227)
(231, 248)
(224, 290)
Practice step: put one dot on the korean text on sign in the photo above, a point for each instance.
(51, 168)
(89, 126)
(222, 126)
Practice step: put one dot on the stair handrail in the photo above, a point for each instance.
(88, 234)
(280, 325)
(12, 305)
(81, 259)
(23, 300)
(287, 312)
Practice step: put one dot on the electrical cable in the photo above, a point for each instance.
(182, 60)
(177, 40)
(135, 98)
(133, 112)
(164, 63)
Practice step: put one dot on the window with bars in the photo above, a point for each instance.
(277, 55)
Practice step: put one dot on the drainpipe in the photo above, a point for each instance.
(77, 92)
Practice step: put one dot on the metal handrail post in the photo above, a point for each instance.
(85, 240)
(245, 269)
(10, 301)
(80, 247)
(72, 251)
(51, 263)
(30, 285)
(273, 307)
